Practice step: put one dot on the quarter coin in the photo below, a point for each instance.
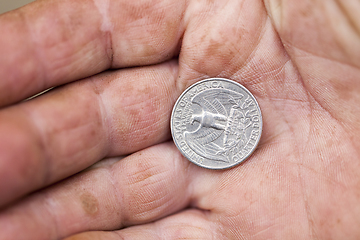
(216, 123)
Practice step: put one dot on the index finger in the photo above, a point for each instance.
(49, 43)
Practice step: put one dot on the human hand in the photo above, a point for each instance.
(300, 59)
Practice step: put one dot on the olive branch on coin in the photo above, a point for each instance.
(239, 120)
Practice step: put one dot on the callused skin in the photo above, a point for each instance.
(300, 59)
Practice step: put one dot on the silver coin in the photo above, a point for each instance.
(216, 123)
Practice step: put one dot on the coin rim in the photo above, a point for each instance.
(206, 80)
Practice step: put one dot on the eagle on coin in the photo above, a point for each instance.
(208, 139)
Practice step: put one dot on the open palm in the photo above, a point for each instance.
(300, 59)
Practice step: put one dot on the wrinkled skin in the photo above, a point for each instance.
(300, 59)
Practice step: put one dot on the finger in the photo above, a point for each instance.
(49, 43)
(70, 128)
(328, 58)
(243, 46)
(141, 188)
(236, 40)
(190, 224)
(223, 38)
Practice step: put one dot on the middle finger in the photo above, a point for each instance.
(68, 129)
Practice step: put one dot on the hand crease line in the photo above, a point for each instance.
(43, 74)
(330, 180)
(104, 116)
(49, 206)
(312, 231)
(288, 44)
(47, 159)
(114, 184)
(266, 229)
(341, 124)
